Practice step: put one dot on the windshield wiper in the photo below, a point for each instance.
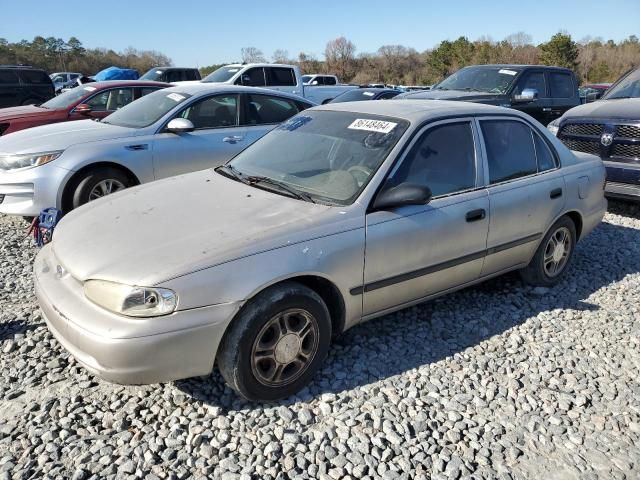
(230, 171)
(255, 179)
(617, 98)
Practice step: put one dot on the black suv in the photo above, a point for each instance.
(609, 128)
(543, 92)
(24, 85)
(171, 74)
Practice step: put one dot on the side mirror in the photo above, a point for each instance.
(527, 95)
(83, 108)
(315, 82)
(403, 194)
(180, 125)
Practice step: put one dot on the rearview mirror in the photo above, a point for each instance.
(180, 125)
(403, 194)
(83, 108)
(527, 95)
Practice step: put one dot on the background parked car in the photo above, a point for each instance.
(171, 74)
(543, 92)
(320, 79)
(96, 100)
(266, 258)
(63, 79)
(285, 78)
(609, 128)
(593, 91)
(360, 94)
(165, 133)
(24, 85)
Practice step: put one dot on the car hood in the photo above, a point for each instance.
(26, 111)
(164, 229)
(623, 109)
(59, 136)
(451, 95)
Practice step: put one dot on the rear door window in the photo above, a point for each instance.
(510, 150)
(282, 77)
(192, 75)
(8, 77)
(561, 85)
(329, 81)
(34, 77)
(546, 160)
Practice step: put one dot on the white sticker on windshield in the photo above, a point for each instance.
(176, 97)
(89, 89)
(368, 94)
(379, 126)
(233, 70)
(508, 72)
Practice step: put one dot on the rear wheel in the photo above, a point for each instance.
(276, 343)
(99, 183)
(553, 256)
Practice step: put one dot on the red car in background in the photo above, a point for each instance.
(93, 100)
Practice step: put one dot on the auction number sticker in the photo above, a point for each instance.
(378, 126)
(508, 72)
(176, 97)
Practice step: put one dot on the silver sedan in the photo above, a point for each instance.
(343, 213)
(165, 133)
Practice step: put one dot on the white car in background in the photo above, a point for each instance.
(281, 77)
(165, 133)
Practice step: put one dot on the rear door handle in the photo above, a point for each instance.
(232, 139)
(555, 193)
(475, 215)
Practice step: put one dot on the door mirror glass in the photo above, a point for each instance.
(400, 195)
(83, 108)
(180, 125)
(527, 95)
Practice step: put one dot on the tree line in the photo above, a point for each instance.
(593, 59)
(55, 55)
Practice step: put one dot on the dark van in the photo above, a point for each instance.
(24, 85)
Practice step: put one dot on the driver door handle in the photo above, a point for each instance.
(232, 139)
(475, 215)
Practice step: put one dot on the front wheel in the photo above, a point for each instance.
(276, 343)
(553, 256)
(99, 183)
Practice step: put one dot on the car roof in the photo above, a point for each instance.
(199, 88)
(125, 83)
(516, 66)
(418, 110)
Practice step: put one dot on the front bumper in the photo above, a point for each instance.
(27, 192)
(122, 349)
(623, 180)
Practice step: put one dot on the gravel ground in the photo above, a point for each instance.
(496, 381)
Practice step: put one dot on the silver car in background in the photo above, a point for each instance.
(165, 133)
(341, 214)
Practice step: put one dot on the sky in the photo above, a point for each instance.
(200, 33)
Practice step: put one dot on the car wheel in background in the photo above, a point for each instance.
(553, 256)
(276, 343)
(99, 183)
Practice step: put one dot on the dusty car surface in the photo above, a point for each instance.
(165, 133)
(341, 214)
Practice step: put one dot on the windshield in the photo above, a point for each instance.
(68, 98)
(329, 156)
(480, 79)
(152, 75)
(355, 95)
(628, 87)
(146, 110)
(222, 74)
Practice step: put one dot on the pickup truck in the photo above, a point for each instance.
(285, 78)
(543, 92)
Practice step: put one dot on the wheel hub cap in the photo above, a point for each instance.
(558, 252)
(287, 348)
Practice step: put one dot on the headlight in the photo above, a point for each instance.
(129, 300)
(554, 126)
(12, 162)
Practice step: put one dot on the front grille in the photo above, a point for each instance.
(628, 131)
(626, 151)
(593, 129)
(582, 145)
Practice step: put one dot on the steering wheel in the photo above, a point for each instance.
(360, 174)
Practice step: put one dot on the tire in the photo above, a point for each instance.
(257, 330)
(88, 186)
(540, 272)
